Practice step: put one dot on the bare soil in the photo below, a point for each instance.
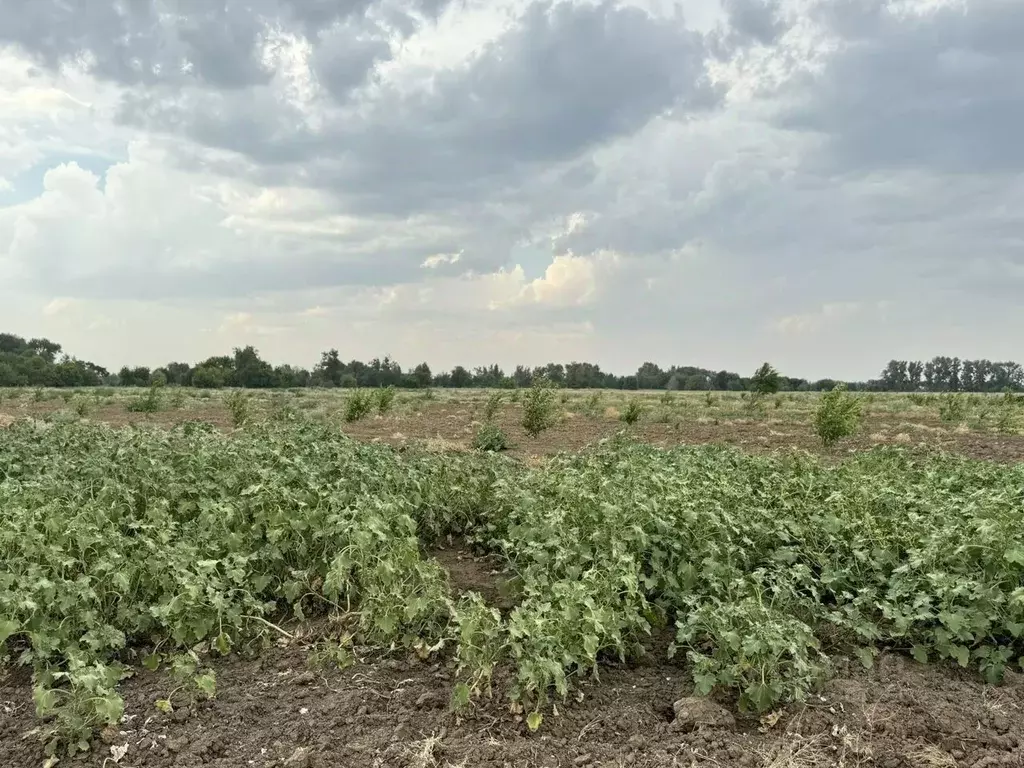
(278, 710)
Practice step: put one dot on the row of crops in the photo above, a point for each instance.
(120, 547)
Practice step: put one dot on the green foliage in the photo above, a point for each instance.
(709, 399)
(953, 408)
(191, 538)
(765, 381)
(633, 411)
(238, 405)
(765, 653)
(838, 416)
(490, 437)
(151, 402)
(385, 398)
(358, 405)
(82, 407)
(538, 407)
(492, 405)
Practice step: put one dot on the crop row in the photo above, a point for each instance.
(126, 545)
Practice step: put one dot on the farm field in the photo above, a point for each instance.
(256, 580)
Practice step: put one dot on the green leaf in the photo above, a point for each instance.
(164, 705)
(7, 628)
(920, 654)
(961, 654)
(533, 720)
(760, 696)
(460, 696)
(151, 662)
(866, 656)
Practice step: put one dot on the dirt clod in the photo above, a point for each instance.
(694, 711)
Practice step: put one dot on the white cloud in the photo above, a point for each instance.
(516, 179)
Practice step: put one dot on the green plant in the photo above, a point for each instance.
(238, 405)
(82, 407)
(490, 437)
(632, 412)
(492, 405)
(953, 407)
(148, 403)
(385, 397)
(538, 407)
(358, 405)
(837, 416)
(709, 399)
(766, 654)
(178, 399)
(765, 381)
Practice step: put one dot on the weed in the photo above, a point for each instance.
(538, 407)
(953, 408)
(385, 398)
(358, 405)
(492, 405)
(837, 416)
(489, 437)
(238, 405)
(632, 412)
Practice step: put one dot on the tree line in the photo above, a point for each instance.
(43, 363)
(951, 374)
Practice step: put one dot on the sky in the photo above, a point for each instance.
(825, 184)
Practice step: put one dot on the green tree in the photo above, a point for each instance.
(766, 380)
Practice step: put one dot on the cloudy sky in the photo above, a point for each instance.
(826, 184)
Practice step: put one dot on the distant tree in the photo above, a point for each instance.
(421, 374)
(329, 370)
(765, 380)
(460, 377)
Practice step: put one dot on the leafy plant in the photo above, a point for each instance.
(538, 407)
(358, 405)
(632, 412)
(149, 403)
(238, 405)
(490, 437)
(385, 397)
(953, 407)
(492, 405)
(765, 381)
(837, 416)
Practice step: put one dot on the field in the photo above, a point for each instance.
(259, 580)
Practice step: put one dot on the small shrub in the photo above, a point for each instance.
(953, 408)
(358, 405)
(514, 396)
(178, 399)
(632, 412)
(148, 403)
(490, 438)
(709, 400)
(838, 416)
(238, 405)
(428, 394)
(538, 408)
(918, 398)
(82, 407)
(492, 405)
(1006, 421)
(385, 398)
(778, 402)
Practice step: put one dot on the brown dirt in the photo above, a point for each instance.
(469, 571)
(449, 425)
(280, 711)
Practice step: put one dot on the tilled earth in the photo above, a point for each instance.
(286, 708)
(279, 711)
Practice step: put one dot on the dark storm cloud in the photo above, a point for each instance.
(562, 80)
(175, 42)
(942, 90)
